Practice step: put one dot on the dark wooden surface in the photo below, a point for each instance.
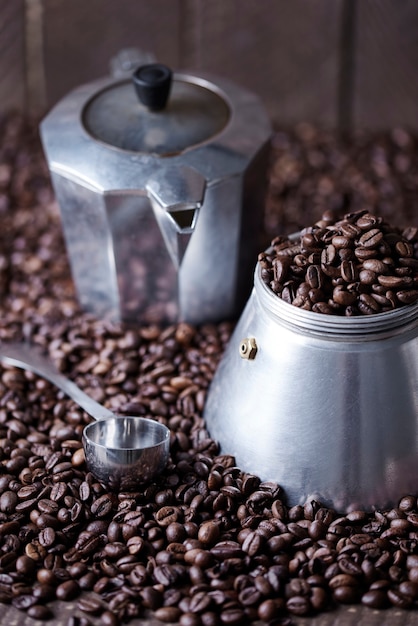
(12, 54)
(263, 46)
(309, 60)
(81, 37)
(385, 64)
(268, 48)
(344, 616)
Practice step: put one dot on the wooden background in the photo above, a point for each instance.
(339, 63)
(342, 64)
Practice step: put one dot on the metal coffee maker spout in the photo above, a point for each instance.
(160, 177)
(176, 196)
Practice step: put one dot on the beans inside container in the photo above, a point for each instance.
(205, 544)
(357, 265)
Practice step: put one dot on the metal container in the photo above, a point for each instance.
(324, 405)
(161, 204)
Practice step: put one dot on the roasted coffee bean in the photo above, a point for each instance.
(341, 296)
(398, 599)
(298, 605)
(67, 590)
(226, 550)
(206, 544)
(102, 506)
(167, 515)
(314, 277)
(371, 238)
(168, 614)
(109, 618)
(39, 612)
(190, 619)
(209, 532)
(407, 296)
(367, 304)
(47, 537)
(328, 255)
(232, 616)
(340, 241)
(361, 261)
(318, 598)
(166, 575)
(23, 601)
(280, 268)
(375, 598)
(349, 271)
(90, 605)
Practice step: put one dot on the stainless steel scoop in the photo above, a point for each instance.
(121, 451)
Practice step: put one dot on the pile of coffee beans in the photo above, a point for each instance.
(359, 265)
(205, 544)
(313, 171)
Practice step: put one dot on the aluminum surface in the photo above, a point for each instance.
(327, 407)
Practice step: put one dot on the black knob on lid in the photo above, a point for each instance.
(152, 84)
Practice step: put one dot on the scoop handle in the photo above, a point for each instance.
(28, 358)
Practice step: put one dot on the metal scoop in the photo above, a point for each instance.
(122, 452)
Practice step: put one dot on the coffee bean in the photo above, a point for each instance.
(347, 259)
(349, 567)
(349, 271)
(407, 296)
(200, 602)
(8, 501)
(364, 254)
(375, 599)
(340, 241)
(39, 612)
(47, 537)
(167, 515)
(108, 618)
(395, 282)
(371, 238)
(280, 268)
(409, 588)
(314, 277)
(341, 296)
(232, 616)
(67, 590)
(398, 599)
(23, 601)
(269, 610)
(226, 550)
(319, 598)
(298, 605)
(90, 605)
(328, 255)
(166, 575)
(168, 614)
(102, 506)
(367, 304)
(206, 544)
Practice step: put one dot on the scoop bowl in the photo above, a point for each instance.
(124, 452)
